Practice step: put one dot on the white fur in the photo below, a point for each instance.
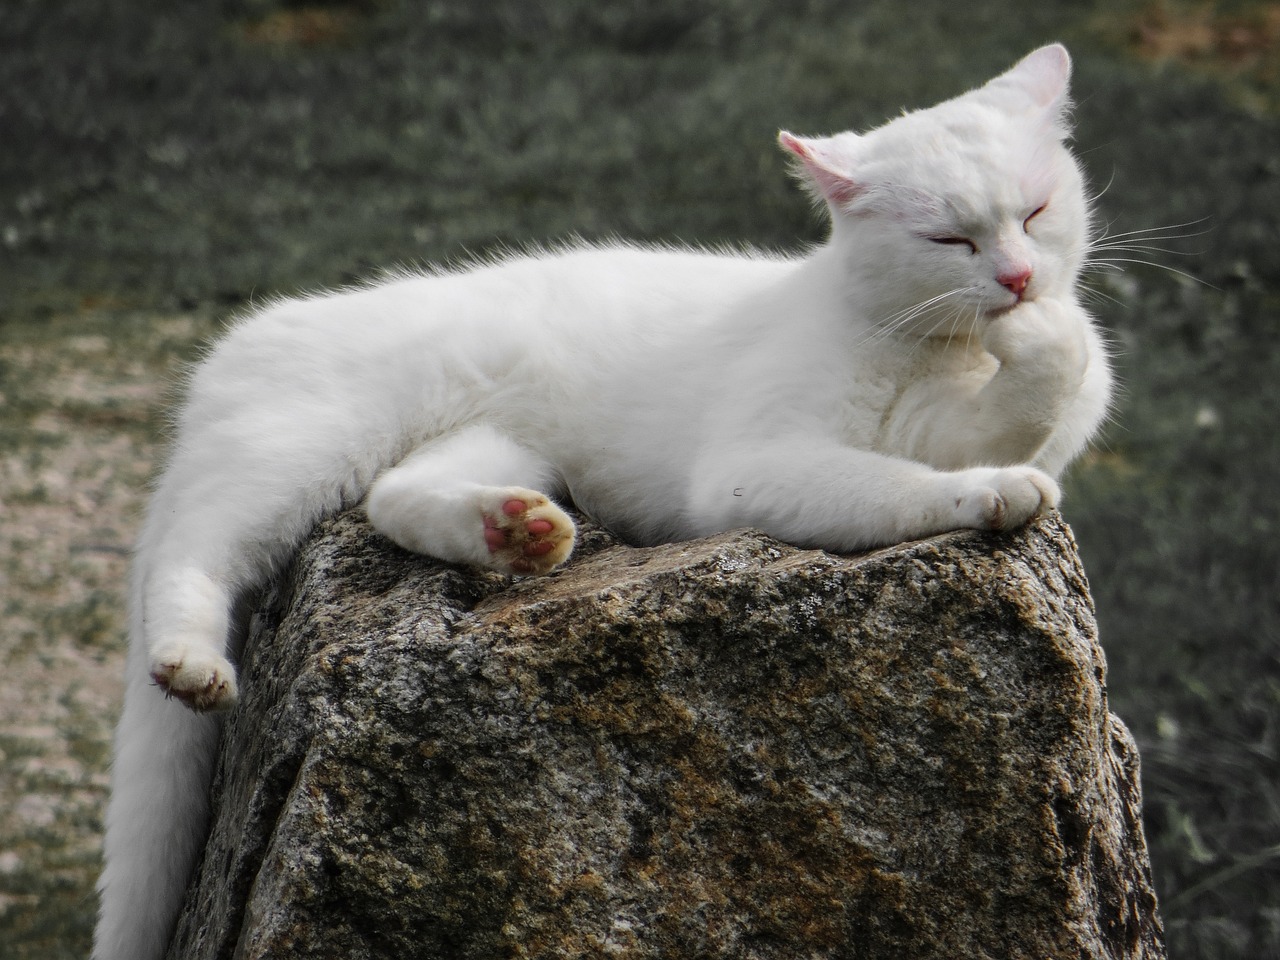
(882, 387)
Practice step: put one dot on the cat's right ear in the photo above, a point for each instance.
(1040, 80)
(822, 169)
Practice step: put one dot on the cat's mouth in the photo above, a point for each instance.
(995, 312)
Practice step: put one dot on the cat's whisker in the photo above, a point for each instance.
(955, 317)
(917, 339)
(973, 327)
(1114, 263)
(892, 324)
(887, 328)
(1154, 233)
(1105, 252)
(1140, 248)
(1107, 186)
(955, 324)
(910, 313)
(1098, 265)
(955, 327)
(1095, 295)
(932, 330)
(1159, 233)
(1148, 240)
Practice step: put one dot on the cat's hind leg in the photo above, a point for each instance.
(189, 663)
(474, 497)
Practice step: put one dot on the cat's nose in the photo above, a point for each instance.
(1015, 280)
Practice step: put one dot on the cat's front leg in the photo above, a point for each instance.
(1043, 352)
(1042, 341)
(817, 492)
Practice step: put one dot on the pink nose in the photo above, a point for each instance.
(1015, 280)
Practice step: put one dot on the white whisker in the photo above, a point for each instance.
(1103, 253)
(955, 317)
(1094, 295)
(938, 323)
(977, 316)
(1140, 248)
(1160, 233)
(1113, 263)
(1107, 186)
(890, 325)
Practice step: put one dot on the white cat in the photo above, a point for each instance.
(927, 368)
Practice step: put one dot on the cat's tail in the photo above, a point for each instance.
(156, 819)
(199, 552)
(269, 441)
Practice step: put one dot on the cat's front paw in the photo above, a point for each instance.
(1003, 499)
(1044, 338)
(526, 533)
(202, 680)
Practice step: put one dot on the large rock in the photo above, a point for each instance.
(726, 748)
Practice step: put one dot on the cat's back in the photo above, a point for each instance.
(585, 295)
(612, 288)
(588, 319)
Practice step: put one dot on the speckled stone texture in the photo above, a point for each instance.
(728, 748)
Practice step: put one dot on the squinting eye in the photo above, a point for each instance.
(956, 241)
(1026, 224)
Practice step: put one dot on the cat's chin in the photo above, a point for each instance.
(996, 312)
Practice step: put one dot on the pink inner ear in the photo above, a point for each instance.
(794, 144)
(1049, 71)
(1042, 75)
(837, 187)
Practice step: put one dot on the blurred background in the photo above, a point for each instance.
(163, 165)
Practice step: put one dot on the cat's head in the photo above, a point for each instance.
(951, 214)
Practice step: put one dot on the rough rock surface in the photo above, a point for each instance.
(725, 748)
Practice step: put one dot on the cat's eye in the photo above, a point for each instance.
(956, 242)
(1026, 224)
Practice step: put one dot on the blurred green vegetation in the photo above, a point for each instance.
(194, 156)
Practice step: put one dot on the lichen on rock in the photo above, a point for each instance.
(724, 748)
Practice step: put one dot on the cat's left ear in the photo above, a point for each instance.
(823, 168)
(1040, 81)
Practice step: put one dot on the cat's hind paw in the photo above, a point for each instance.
(1005, 499)
(202, 680)
(526, 533)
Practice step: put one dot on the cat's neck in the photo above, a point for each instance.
(823, 285)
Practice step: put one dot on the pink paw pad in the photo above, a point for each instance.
(528, 535)
(493, 536)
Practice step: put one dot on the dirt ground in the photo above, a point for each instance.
(71, 495)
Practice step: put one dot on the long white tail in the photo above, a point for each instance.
(157, 816)
(265, 446)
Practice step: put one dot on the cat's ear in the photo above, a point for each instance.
(823, 168)
(1040, 80)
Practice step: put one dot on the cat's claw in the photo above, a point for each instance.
(527, 534)
(200, 680)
